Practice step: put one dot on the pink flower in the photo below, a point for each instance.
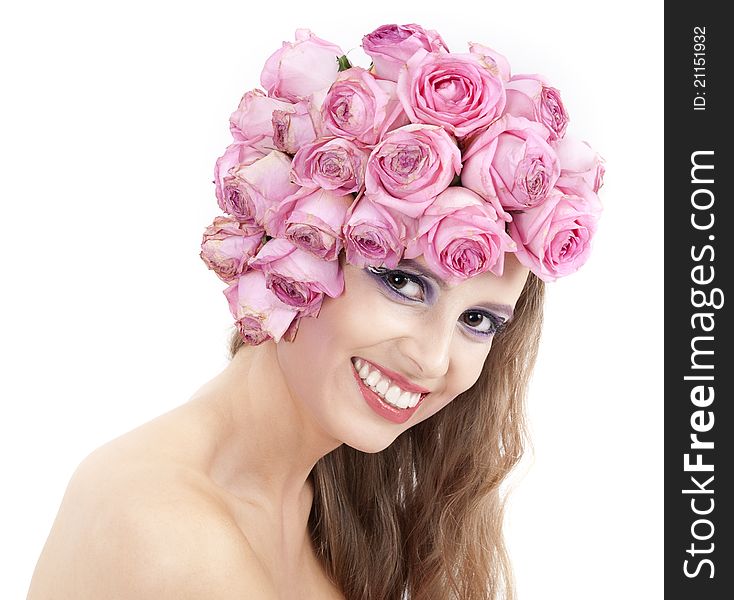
(229, 196)
(511, 161)
(531, 97)
(398, 137)
(296, 277)
(331, 163)
(260, 187)
(372, 235)
(554, 238)
(390, 47)
(300, 68)
(579, 160)
(227, 245)
(360, 107)
(461, 92)
(461, 236)
(312, 220)
(501, 64)
(411, 166)
(294, 127)
(252, 122)
(258, 313)
(577, 186)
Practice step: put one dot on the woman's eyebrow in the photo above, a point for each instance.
(409, 262)
(503, 309)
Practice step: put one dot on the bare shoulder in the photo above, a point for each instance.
(145, 529)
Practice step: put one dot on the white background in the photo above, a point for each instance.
(111, 119)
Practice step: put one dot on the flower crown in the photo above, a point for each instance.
(427, 152)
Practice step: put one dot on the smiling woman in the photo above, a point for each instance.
(414, 338)
(413, 493)
(387, 237)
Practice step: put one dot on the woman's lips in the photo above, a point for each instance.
(397, 379)
(391, 413)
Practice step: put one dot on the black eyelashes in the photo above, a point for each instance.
(386, 274)
(497, 324)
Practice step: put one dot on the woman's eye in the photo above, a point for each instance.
(401, 283)
(410, 287)
(482, 323)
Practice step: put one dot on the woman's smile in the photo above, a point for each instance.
(391, 376)
(388, 399)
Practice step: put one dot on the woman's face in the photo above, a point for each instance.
(404, 328)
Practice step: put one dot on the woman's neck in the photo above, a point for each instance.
(263, 443)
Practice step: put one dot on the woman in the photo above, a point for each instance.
(374, 254)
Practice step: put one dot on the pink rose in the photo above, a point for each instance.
(372, 235)
(313, 204)
(501, 64)
(261, 187)
(511, 161)
(360, 107)
(294, 127)
(461, 236)
(531, 97)
(554, 238)
(411, 166)
(300, 68)
(227, 245)
(577, 186)
(296, 277)
(312, 220)
(258, 312)
(252, 122)
(331, 163)
(461, 92)
(390, 47)
(229, 196)
(579, 160)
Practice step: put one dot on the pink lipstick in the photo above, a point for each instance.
(391, 413)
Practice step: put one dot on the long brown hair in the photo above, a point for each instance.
(422, 519)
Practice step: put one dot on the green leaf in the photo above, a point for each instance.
(344, 63)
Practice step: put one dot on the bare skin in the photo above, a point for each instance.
(212, 499)
(193, 455)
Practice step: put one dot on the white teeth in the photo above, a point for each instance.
(405, 399)
(372, 378)
(401, 401)
(393, 394)
(382, 386)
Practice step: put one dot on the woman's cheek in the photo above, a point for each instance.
(366, 312)
(470, 367)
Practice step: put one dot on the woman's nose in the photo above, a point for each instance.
(429, 348)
